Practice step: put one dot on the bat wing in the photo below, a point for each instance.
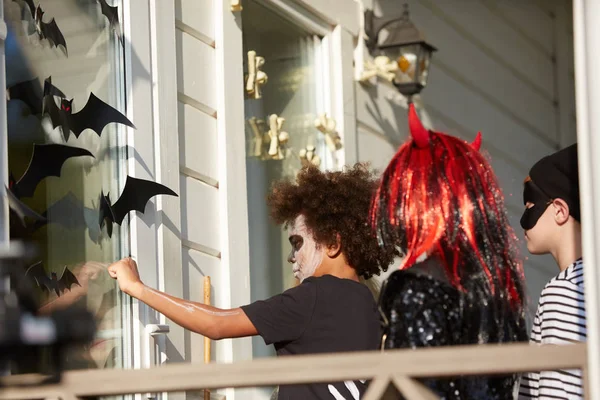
(67, 280)
(50, 89)
(112, 13)
(47, 160)
(105, 213)
(50, 108)
(52, 32)
(21, 210)
(30, 93)
(135, 196)
(37, 272)
(96, 115)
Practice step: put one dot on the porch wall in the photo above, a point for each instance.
(197, 116)
(504, 68)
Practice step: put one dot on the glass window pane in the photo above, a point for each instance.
(72, 236)
(296, 91)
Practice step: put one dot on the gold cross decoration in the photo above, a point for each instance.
(382, 67)
(256, 77)
(277, 137)
(236, 5)
(309, 157)
(259, 135)
(327, 126)
(268, 143)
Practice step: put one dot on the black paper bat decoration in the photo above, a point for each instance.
(59, 284)
(112, 13)
(49, 30)
(135, 196)
(46, 160)
(31, 93)
(95, 116)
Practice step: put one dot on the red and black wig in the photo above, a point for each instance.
(439, 197)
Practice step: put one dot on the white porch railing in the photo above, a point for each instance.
(395, 367)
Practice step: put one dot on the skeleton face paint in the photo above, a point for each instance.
(306, 255)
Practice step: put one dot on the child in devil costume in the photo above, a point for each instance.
(460, 281)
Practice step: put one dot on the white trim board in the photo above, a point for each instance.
(345, 13)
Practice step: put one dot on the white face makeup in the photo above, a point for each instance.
(306, 255)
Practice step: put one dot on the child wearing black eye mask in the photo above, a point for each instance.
(551, 221)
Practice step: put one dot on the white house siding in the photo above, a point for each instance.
(504, 67)
(199, 175)
(213, 234)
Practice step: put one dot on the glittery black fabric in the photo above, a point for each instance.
(421, 311)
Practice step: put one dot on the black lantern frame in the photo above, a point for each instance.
(404, 40)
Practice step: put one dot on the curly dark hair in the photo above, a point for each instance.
(334, 203)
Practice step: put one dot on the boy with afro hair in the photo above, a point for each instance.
(326, 214)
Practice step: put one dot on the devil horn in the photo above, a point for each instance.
(418, 132)
(477, 142)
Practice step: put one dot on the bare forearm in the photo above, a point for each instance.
(206, 320)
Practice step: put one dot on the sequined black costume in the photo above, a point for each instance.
(439, 200)
(422, 311)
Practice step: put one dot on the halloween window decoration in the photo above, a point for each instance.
(53, 282)
(327, 126)
(270, 142)
(256, 77)
(112, 14)
(65, 154)
(236, 5)
(95, 115)
(135, 196)
(45, 30)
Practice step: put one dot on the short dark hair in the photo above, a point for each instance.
(335, 203)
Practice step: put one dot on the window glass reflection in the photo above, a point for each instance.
(71, 237)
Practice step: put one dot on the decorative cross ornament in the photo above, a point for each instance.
(309, 157)
(256, 78)
(259, 135)
(382, 67)
(268, 143)
(277, 137)
(236, 5)
(327, 126)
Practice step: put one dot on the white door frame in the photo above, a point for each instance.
(153, 153)
(586, 27)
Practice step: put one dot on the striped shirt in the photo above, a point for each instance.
(560, 319)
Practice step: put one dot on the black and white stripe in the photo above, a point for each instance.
(560, 319)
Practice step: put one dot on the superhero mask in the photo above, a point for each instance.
(540, 200)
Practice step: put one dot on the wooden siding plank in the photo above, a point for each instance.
(200, 212)
(199, 15)
(198, 141)
(196, 266)
(527, 18)
(196, 70)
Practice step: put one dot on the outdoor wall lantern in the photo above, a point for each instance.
(403, 56)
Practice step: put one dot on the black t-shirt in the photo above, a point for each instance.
(321, 315)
